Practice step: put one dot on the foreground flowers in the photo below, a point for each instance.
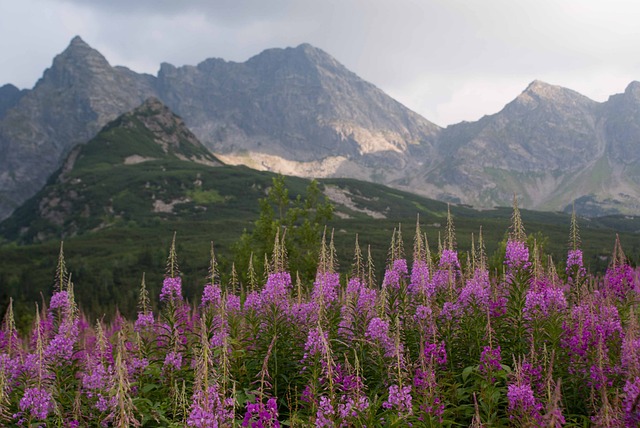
(445, 342)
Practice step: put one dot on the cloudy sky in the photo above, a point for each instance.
(449, 60)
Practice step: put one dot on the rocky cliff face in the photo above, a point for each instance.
(294, 110)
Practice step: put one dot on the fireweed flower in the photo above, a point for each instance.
(378, 330)
(631, 403)
(575, 264)
(619, 281)
(448, 271)
(522, 402)
(59, 300)
(173, 360)
(38, 402)
(399, 399)
(490, 359)
(393, 277)
(449, 259)
(144, 321)
(277, 289)
(233, 304)
(425, 385)
(349, 407)
(542, 300)
(211, 295)
(435, 353)
(420, 280)
(171, 289)
(517, 255)
(325, 413)
(210, 410)
(315, 344)
(325, 287)
(253, 301)
(261, 415)
(476, 293)
(60, 348)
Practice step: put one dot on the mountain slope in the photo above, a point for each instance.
(294, 110)
(550, 146)
(76, 97)
(144, 162)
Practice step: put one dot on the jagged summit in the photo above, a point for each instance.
(633, 89)
(539, 91)
(153, 122)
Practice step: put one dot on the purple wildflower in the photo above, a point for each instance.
(618, 281)
(522, 402)
(211, 295)
(476, 292)
(325, 287)
(378, 330)
(420, 283)
(449, 258)
(144, 321)
(517, 255)
(631, 403)
(210, 409)
(171, 289)
(315, 344)
(393, 277)
(60, 348)
(59, 300)
(325, 413)
(261, 415)
(38, 402)
(399, 399)
(543, 300)
(173, 360)
(490, 359)
(435, 353)
(277, 288)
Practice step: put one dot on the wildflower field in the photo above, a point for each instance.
(433, 343)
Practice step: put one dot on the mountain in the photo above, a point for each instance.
(144, 162)
(550, 146)
(76, 97)
(294, 110)
(300, 112)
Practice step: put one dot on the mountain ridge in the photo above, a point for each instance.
(299, 111)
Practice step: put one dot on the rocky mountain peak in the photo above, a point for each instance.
(9, 97)
(77, 61)
(167, 128)
(633, 89)
(539, 93)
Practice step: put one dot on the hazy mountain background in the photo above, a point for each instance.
(300, 112)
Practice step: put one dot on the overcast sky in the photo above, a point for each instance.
(449, 60)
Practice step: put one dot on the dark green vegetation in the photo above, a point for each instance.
(117, 217)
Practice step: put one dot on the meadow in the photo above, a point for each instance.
(440, 339)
